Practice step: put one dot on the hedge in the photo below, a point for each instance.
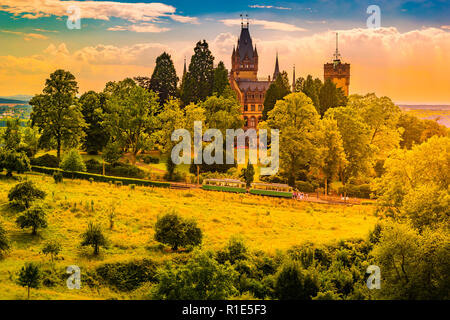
(100, 178)
(271, 193)
(224, 189)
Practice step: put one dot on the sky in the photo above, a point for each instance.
(406, 57)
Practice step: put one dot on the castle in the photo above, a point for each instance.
(251, 91)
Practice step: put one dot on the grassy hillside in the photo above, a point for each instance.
(267, 224)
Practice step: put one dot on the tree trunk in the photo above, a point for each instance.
(96, 250)
(103, 166)
(326, 188)
(58, 150)
(28, 289)
(198, 174)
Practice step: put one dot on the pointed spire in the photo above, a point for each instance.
(277, 69)
(256, 52)
(242, 22)
(337, 55)
(293, 81)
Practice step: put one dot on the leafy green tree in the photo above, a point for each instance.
(56, 111)
(53, 248)
(112, 152)
(234, 251)
(14, 161)
(175, 231)
(34, 218)
(221, 81)
(199, 80)
(30, 277)
(201, 278)
(131, 117)
(294, 283)
(94, 237)
(4, 241)
(24, 194)
(30, 143)
(277, 91)
(12, 136)
(73, 162)
(356, 138)
(333, 152)
(92, 109)
(248, 174)
(300, 133)
(312, 89)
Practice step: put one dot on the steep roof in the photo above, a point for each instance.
(254, 85)
(245, 44)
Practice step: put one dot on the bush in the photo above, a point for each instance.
(304, 186)
(234, 251)
(34, 218)
(53, 248)
(116, 169)
(128, 276)
(293, 283)
(94, 237)
(47, 160)
(24, 193)
(57, 176)
(175, 231)
(14, 161)
(112, 152)
(91, 180)
(119, 184)
(4, 242)
(201, 278)
(73, 162)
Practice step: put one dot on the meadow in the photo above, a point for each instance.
(266, 224)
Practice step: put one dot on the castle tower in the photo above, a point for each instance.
(277, 69)
(337, 71)
(244, 60)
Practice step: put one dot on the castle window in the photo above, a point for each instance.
(246, 108)
(260, 107)
(252, 122)
(253, 107)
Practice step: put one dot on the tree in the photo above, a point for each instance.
(333, 153)
(112, 152)
(201, 278)
(164, 78)
(73, 162)
(293, 283)
(248, 174)
(277, 91)
(12, 136)
(330, 97)
(312, 89)
(34, 218)
(53, 248)
(57, 113)
(30, 277)
(355, 135)
(198, 82)
(4, 241)
(300, 132)
(94, 237)
(221, 81)
(14, 161)
(131, 117)
(25, 193)
(175, 231)
(92, 109)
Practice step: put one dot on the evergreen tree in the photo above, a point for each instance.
(164, 78)
(277, 91)
(94, 237)
(198, 81)
(248, 174)
(73, 162)
(312, 91)
(220, 79)
(12, 134)
(30, 277)
(92, 109)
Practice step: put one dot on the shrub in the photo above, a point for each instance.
(34, 218)
(73, 162)
(112, 152)
(132, 186)
(119, 184)
(53, 248)
(29, 277)
(201, 278)
(4, 242)
(175, 231)
(116, 169)
(128, 276)
(14, 161)
(91, 180)
(94, 237)
(57, 176)
(24, 193)
(304, 186)
(293, 283)
(234, 251)
(47, 160)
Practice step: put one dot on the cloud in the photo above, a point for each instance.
(100, 10)
(26, 36)
(258, 6)
(143, 27)
(445, 27)
(269, 25)
(43, 30)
